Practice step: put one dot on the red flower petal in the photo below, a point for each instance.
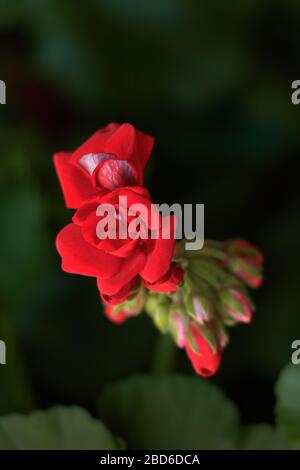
(87, 209)
(128, 144)
(129, 268)
(96, 143)
(86, 216)
(145, 144)
(78, 257)
(169, 282)
(76, 185)
(123, 294)
(122, 142)
(121, 248)
(160, 258)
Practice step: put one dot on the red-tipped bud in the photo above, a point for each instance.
(236, 305)
(115, 314)
(134, 305)
(130, 308)
(249, 273)
(204, 359)
(244, 249)
(245, 260)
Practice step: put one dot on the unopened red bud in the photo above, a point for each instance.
(205, 359)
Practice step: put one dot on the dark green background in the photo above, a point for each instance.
(212, 82)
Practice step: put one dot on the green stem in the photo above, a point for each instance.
(164, 355)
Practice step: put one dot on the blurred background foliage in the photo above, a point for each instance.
(212, 82)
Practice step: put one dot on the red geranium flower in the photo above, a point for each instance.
(120, 238)
(115, 261)
(112, 157)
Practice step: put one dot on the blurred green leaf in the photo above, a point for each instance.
(176, 412)
(263, 437)
(66, 47)
(152, 14)
(23, 243)
(58, 428)
(288, 404)
(11, 11)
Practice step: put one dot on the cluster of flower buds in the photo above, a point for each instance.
(212, 297)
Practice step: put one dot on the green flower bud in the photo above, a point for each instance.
(134, 305)
(158, 307)
(202, 308)
(198, 302)
(245, 260)
(208, 271)
(178, 322)
(249, 273)
(236, 304)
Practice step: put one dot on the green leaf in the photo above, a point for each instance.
(288, 404)
(175, 412)
(59, 428)
(263, 437)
